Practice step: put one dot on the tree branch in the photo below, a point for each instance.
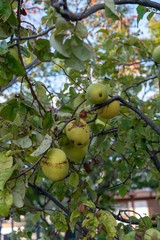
(57, 203)
(79, 16)
(137, 84)
(135, 109)
(35, 35)
(121, 183)
(50, 196)
(154, 158)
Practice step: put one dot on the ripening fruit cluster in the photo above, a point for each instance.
(97, 93)
(56, 165)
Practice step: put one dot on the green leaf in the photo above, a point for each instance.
(5, 9)
(74, 218)
(9, 111)
(6, 201)
(42, 44)
(123, 190)
(66, 109)
(75, 214)
(141, 10)
(89, 204)
(25, 51)
(24, 142)
(36, 121)
(73, 179)
(5, 75)
(41, 90)
(75, 63)
(79, 50)
(6, 169)
(126, 123)
(3, 48)
(3, 34)
(61, 25)
(109, 222)
(120, 147)
(36, 217)
(41, 49)
(147, 220)
(56, 41)
(59, 221)
(14, 65)
(90, 220)
(81, 30)
(47, 120)
(46, 143)
(20, 187)
(150, 15)
(130, 236)
(7, 136)
(110, 10)
(17, 199)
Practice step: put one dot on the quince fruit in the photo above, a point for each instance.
(75, 154)
(156, 54)
(152, 234)
(97, 93)
(78, 133)
(56, 167)
(109, 111)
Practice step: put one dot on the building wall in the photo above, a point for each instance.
(153, 206)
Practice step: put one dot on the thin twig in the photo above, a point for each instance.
(137, 84)
(68, 75)
(35, 35)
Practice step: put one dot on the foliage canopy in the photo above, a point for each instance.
(49, 55)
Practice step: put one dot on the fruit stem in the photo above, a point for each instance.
(77, 120)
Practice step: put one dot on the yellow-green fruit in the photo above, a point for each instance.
(56, 167)
(75, 154)
(109, 111)
(156, 54)
(78, 134)
(152, 234)
(97, 93)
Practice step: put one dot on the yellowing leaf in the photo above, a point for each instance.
(89, 204)
(73, 179)
(75, 216)
(109, 222)
(24, 142)
(5, 168)
(41, 91)
(6, 201)
(59, 221)
(43, 146)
